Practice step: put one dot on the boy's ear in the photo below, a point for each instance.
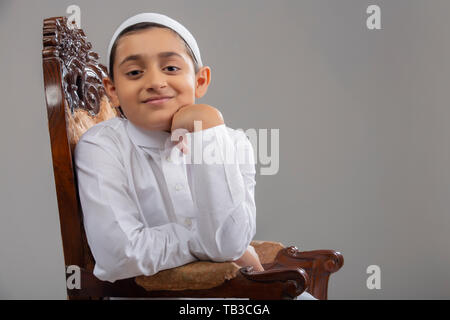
(111, 92)
(202, 81)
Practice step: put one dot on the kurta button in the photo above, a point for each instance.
(188, 222)
(178, 187)
(168, 158)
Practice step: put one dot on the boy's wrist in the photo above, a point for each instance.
(207, 115)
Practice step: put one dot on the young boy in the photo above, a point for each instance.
(145, 207)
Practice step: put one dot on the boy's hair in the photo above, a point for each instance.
(143, 26)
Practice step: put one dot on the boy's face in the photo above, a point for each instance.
(153, 64)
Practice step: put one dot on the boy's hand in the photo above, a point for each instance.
(186, 115)
(250, 258)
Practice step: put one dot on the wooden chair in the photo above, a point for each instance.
(76, 100)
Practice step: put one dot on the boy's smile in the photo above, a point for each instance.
(153, 77)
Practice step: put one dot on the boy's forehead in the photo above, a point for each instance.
(150, 42)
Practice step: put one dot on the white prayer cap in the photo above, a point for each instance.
(165, 21)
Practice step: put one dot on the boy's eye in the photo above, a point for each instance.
(172, 68)
(133, 73)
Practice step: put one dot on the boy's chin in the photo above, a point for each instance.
(163, 123)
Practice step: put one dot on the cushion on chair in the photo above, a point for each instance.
(192, 276)
(267, 250)
(204, 274)
(80, 120)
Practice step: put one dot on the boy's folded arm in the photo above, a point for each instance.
(225, 195)
(208, 116)
(121, 244)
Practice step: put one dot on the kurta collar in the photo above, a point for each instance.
(147, 138)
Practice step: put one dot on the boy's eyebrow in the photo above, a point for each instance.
(160, 55)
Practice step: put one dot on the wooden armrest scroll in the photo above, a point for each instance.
(328, 260)
(319, 264)
(297, 279)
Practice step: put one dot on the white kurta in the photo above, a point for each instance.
(147, 207)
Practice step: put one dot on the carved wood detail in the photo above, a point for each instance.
(318, 264)
(81, 72)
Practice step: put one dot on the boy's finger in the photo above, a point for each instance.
(182, 144)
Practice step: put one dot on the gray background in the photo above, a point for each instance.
(363, 118)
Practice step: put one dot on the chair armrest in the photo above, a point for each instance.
(205, 274)
(297, 280)
(319, 264)
(288, 273)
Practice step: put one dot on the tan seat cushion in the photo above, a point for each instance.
(267, 250)
(204, 274)
(80, 121)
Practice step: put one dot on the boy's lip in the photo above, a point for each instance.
(157, 100)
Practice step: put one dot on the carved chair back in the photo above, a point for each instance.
(76, 100)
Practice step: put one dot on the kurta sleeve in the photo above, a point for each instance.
(223, 185)
(121, 243)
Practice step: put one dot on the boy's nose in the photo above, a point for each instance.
(155, 80)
